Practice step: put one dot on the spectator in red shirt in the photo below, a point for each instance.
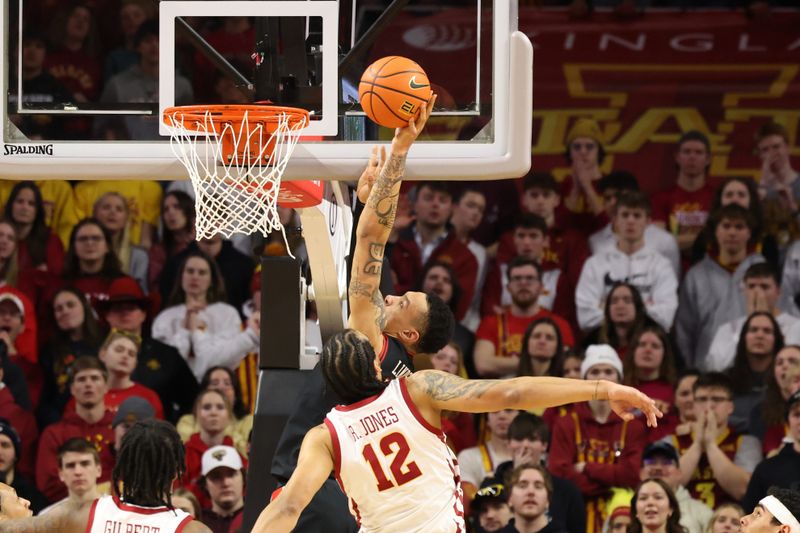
(767, 417)
(468, 208)
(649, 365)
(91, 264)
(120, 352)
(592, 446)
(459, 428)
(18, 336)
(91, 421)
(429, 239)
(684, 208)
(499, 337)
(214, 414)
(38, 247)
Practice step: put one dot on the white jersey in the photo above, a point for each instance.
(110, 515)
(396, 469)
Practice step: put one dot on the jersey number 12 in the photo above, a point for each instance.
(393, 443)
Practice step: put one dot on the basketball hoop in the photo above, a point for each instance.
(235, 156)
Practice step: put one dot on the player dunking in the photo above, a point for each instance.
(397, 327)
(387, 448)
(150, 459)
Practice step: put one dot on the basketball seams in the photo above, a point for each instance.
(393, 90)
(385, 104)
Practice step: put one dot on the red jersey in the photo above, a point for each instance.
(682, 211)
(506, 331)
(703, 486)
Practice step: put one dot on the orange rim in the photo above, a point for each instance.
(233, 114)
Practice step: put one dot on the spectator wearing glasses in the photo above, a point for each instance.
(583, 204)
(499, 337)
(716, 461)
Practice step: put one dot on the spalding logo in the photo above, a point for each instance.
(32, 149)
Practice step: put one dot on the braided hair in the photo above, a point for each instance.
(348, 365)
(149, 460)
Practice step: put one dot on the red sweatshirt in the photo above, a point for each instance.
(612, 452)
(25, 424)
(71, 426)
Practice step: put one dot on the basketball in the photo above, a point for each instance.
(392, 89)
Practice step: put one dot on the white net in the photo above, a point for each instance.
(237, 193)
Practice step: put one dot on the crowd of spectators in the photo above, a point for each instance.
(111, 312)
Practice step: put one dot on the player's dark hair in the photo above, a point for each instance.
(438, 327)
(149, 460)
(348, 366)
(789, 498)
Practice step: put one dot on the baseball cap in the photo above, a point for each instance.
(9, 297)
(8, 430)
(123, 290)
(492, 490)
(597, 354)
(793, 399)
(218, 456)
(132, 410)
(661, 448)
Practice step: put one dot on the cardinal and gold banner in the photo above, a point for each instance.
(644, 80)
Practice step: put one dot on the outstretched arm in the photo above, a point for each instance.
(69, 517)
(435, 391)
(367, 313)
(313, 467)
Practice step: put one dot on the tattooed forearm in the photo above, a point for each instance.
(375, 263)
(359, 288)
(56, 521)
(380, 310)
(441, 386)
(386, 191)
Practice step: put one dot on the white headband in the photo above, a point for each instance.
(781, 513)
